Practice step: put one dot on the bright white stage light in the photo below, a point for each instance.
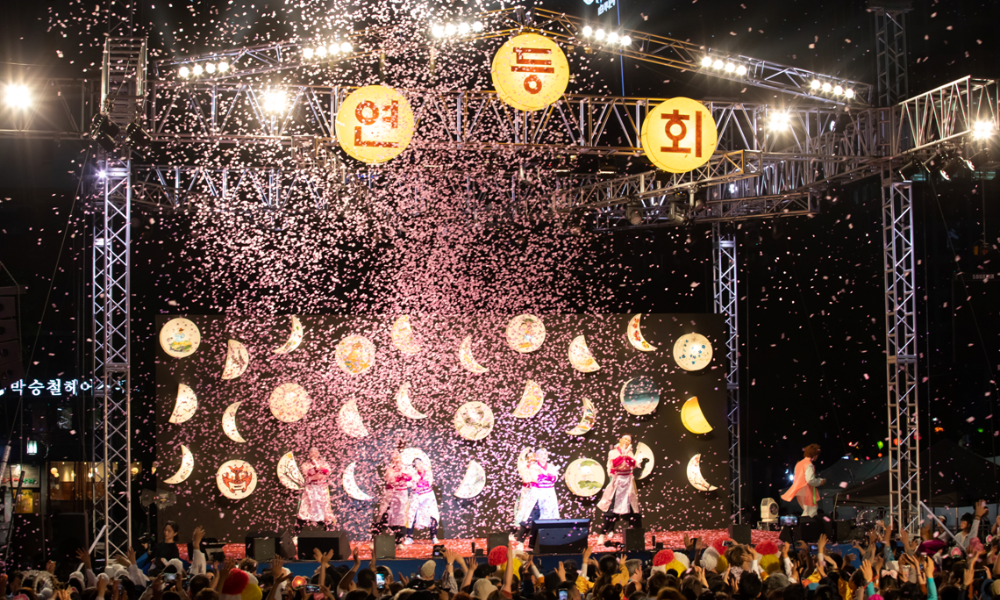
(334, 49)
(839, 91)
(477, 26)
(849, 93)
(599, 34)
(780, 121)
(613, 37)
(437, 31)
(321, 51)
(741, 70)
(706, 62)
(184, 72)
(827, 87)
(102, 174)
(307, 53)
(814, 84)
(626, 40)
(449, 29)
(717, 65)
(463, 28)
(18, 96)
(982, 130)
(346, 47)
(274, 101)
(198, 70)
(587, 31)
(210, 68)
(223, 66)
(730, 68)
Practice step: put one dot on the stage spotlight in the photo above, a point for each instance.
(321, 51)
(982, 130)
(210, 68)
(827, 87)
(613, 37)
(599, 34)
(633, 212)
(334, 49)
(198, 70)
(223, 66)
(730, 67)
(706, 61)
(274, 101)
(437, 31)
(956, 166)
(814, 84)
(449, 29)
(136, 135)
(849, 93)
(346, 47)
(780, 121)
(104, 132)
(17, 96)
(307, 53)
(184, 72)
(911, 169)
(626, 40)
(463, 28)
(477, 26)
(717, 65)
(837, 90)
(587, 31)
(741, 70)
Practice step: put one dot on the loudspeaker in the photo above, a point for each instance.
(496, 539)
(808, 530)
(11, 367)
(847, 531)
(69, 532)
(263, 546)
(560, 536)
(385, 546)
(635, 539)
(739, 533)
(338, 541)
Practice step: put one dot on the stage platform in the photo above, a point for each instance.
(422, 548)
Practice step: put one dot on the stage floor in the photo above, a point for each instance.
(422, 547)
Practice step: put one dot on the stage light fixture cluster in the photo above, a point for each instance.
(982, 130)
(826, 87)
(319, 51)
(275, 101)
(201, 69)
(780, 121)
(17, 96)
(726, 65)
(448, 30)
(611, 38)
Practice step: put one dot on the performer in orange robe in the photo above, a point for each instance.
(804, 486)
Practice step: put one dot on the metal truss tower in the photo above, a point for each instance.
(901, 350)
(726, 299)
(890, 49)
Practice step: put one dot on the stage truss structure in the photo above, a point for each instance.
(758, 172)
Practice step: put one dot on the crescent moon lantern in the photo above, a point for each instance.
(187, 465)
(531, 401)
(465, 357)
(294, 337)
(350, 420)
(405, 406)
(402, 336)
(587, 419)
(692, 417)
(185, 405)
(634, 335)
(237, 360)
(351, 485)
(288, 472)
(580, 356)
(694, 475)
(229, 423)
(644, 451)
(473, 482)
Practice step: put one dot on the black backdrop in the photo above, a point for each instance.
(439, 385)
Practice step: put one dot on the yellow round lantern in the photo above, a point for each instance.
(375, 124)
(530, 72)
(679, 135)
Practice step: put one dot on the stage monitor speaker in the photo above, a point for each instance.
(809, 530)
(635, 539)
(739, 533)
(385, 546)
(69, 532)
(338, 541)
(263, 546)
(11, 367)
(560, 536)
(496, 539)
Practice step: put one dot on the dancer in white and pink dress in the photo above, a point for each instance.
(314, 503)
(620, 499)
(423, 511)
(542, 502)
(392, 507)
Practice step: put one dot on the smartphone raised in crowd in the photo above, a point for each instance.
(170, 577)
(563, 594)
(310, 588)
(380, 580)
